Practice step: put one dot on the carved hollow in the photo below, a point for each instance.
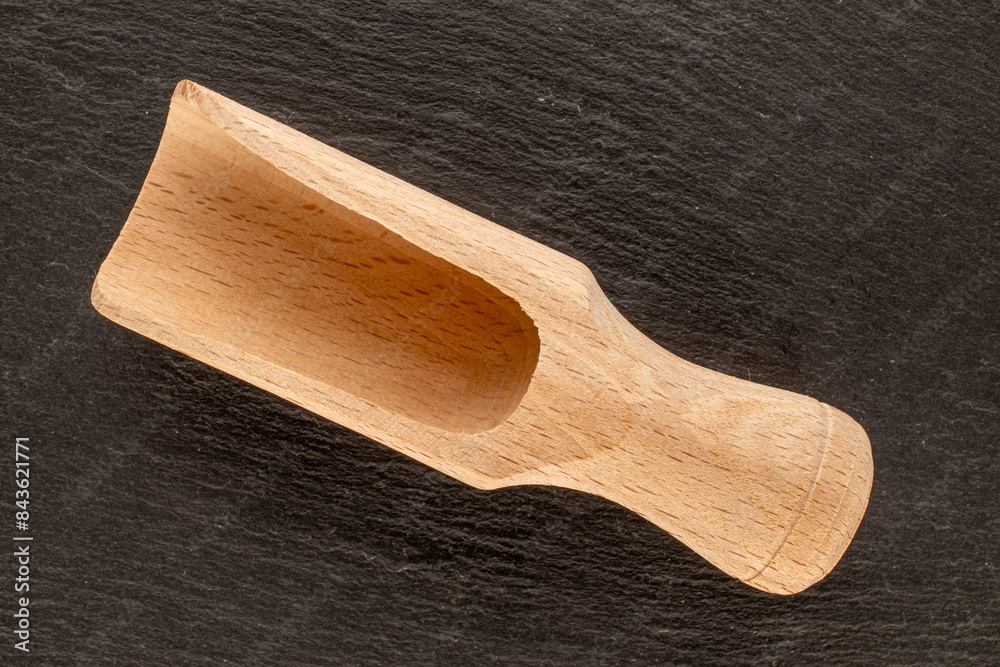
(265, 258)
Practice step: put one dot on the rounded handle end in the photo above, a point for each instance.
(832, 512)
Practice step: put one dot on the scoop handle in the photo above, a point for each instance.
(768, 485)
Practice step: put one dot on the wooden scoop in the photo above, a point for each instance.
(487, 356)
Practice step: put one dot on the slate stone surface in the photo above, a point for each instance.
(805, 194)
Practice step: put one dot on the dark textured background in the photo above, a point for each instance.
(807, 196)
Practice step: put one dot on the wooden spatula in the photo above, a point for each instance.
(485, 355)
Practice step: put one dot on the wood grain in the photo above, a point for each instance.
(485, 355)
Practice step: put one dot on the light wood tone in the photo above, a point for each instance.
(487, 356)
